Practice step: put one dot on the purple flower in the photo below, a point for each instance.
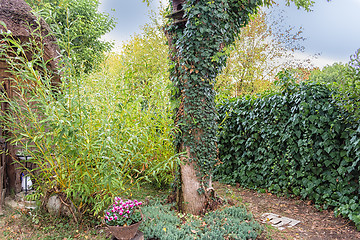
(120, 211)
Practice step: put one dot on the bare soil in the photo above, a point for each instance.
(314, 225)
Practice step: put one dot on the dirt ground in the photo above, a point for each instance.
(314, 225)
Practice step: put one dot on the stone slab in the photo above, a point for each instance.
(278, 221)
(19, 203)
(139, 236)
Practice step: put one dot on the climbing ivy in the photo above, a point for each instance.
(299, 141)
(199, 54)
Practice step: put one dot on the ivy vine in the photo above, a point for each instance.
(198, 55)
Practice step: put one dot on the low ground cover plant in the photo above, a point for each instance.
(228, 223)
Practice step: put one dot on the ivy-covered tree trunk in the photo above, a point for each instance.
(198, 47)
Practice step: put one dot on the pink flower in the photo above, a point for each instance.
(115, 217)
(107, 213)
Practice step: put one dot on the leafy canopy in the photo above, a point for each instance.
(78, 26)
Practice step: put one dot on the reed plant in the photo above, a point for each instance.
(92, 136)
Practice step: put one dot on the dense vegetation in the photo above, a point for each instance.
(102, 132)
(301, 140)
(86, 136)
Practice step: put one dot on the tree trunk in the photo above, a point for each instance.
(188, 198)
(190, 201)
(194, 136)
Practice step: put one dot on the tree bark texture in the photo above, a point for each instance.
(192, 202)
(189, 199)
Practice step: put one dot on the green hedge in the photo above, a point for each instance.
(300, 140)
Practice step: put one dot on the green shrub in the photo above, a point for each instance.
(92, 137)
(229, 223)
(300, 140)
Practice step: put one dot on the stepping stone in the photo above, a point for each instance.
(278, 221)
(139, 236)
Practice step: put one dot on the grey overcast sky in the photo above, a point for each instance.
(332, 28)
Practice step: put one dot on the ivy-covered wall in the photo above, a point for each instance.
(299, 141)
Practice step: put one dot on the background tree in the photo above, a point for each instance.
(78, 26)
(354, 71)
(345, 79)
(336, 72)
(143, 59)
(262, 49)
(344, 76)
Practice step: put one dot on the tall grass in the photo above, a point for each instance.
(93, 136)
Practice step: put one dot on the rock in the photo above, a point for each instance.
(55, 206)
(19, 202)
(278, 221)
(10, 202)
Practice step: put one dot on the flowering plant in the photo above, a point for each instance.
(123, 213)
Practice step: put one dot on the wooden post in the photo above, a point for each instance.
(2, 176)
(2, 142)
